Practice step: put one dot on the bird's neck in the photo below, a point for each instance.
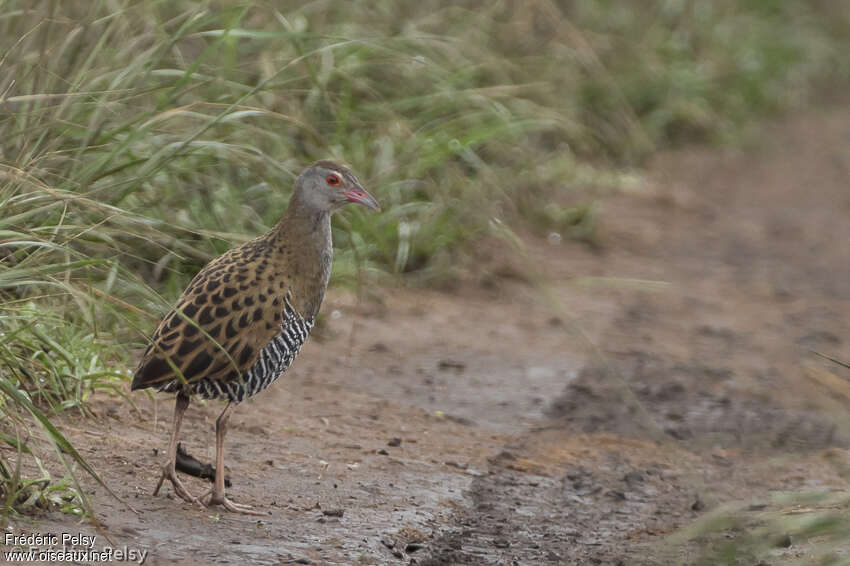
(303, 242)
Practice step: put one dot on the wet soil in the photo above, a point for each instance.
(668, 370)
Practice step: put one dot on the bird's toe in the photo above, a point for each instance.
(220, 499)
(168, 473)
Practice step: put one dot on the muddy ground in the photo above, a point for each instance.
(493, 425)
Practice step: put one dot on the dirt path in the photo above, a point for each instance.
(755, 249)
(515, 442)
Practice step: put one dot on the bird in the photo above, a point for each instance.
(243, 318)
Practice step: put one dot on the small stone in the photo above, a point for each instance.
(394, 441)
(333, 512)
(505, 455)
(632, 478)
(697, 505)
(783, 542)
(413, 547)
(451, 364)
(383, 452)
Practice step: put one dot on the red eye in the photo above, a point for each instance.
(333, 180)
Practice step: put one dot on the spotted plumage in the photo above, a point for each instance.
(233, 331)
(244, 317)
(273, 359)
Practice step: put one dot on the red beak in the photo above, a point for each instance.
(361, 196)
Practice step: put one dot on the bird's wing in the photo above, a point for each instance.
(229, 312)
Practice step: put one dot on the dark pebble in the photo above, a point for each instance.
(460, 420)
(505, 455)
(679, 433)
(333, 512)
(633, 478)
(451, 364)
(394, 441)
(413, 547)
(383, 452)
(697, 505)
(784, 541)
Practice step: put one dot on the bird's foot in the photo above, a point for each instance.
(169, 473)
(220, 499)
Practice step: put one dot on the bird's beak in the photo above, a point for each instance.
(361, 196)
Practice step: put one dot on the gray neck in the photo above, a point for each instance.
(304, 237)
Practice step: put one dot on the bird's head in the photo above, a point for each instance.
(327, 186)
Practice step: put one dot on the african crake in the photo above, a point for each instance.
(241, 321)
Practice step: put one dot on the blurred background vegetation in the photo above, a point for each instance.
(139, 139)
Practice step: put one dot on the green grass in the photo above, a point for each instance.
(807, 527)
(140, 139)
(787, 528)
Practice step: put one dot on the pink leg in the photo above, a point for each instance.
(218, 497)
(168, 470)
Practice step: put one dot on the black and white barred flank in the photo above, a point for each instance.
(274, 359)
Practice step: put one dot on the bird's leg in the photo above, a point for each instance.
(218, 497)
(169, 469)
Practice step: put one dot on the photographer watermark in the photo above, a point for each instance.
(65, 547)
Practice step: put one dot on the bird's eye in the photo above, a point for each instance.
(333, 180)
